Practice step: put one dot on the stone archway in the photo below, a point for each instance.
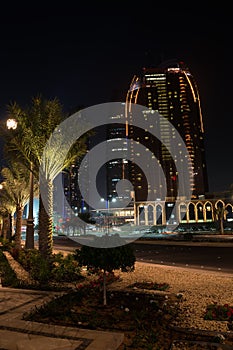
(200, 211)
(192, 213)
(208, 212)
(183, 210)
(159, 214)
(229, 215)
(141, 215)
(150, 213)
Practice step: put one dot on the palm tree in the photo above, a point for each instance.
(16, 189)
(36, 123)
(220, 213)
(7, 210)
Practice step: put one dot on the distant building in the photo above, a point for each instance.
(171, 90)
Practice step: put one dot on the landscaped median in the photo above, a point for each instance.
(153, 305)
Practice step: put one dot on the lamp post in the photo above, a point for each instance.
(11, 123)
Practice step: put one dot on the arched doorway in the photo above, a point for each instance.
(141, 215)
(159, 214)
(150, 214)
(183, 213)
(200, 212)
(208, 210)
(191, 213)
(229, 214)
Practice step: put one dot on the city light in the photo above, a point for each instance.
(11, 124)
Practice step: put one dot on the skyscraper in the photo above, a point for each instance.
(171, 90)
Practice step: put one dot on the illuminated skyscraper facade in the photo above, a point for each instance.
(171, 90)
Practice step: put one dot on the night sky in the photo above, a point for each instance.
(87, 54)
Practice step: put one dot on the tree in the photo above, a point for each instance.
(16, 190)
(7, 210)
(220, 213)
(85, 219)
(107, 259)
(36, 123)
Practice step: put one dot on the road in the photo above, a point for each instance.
(216, 257)
(207, 256)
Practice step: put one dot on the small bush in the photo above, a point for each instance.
(65, 269)
(8, 276)
(219, 312)
(58, 269)
(6, 244)
(114, 254)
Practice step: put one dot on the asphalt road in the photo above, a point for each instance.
(215, 257)
(207, 256)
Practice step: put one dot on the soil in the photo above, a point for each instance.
(144, 316)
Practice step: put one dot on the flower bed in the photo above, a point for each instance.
(219, 312)
(144, 318)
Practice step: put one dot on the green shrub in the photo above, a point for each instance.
(6, 244)
(65, 269)
(56, 270)
(40, 270)
(121, 256)
(7, 275)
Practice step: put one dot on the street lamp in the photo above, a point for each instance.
(12, 124)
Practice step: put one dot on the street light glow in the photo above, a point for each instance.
(11, 124)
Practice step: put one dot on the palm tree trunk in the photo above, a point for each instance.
(221, 226)
(29, 244)
(46, 220)
(104, 285)
(5, 227)
(10, 231)
(18, 228)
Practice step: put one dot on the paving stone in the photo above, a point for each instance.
(17, 334)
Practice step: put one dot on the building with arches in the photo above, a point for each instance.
(185, 212)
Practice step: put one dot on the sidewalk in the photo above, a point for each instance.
(16, 334)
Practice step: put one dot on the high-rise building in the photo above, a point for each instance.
(171, 90)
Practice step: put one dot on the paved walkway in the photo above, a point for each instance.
(16, 334)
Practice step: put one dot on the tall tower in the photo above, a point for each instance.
(171, 90)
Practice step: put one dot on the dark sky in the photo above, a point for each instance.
(86, 53)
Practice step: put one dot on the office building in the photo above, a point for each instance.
(171, 90)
